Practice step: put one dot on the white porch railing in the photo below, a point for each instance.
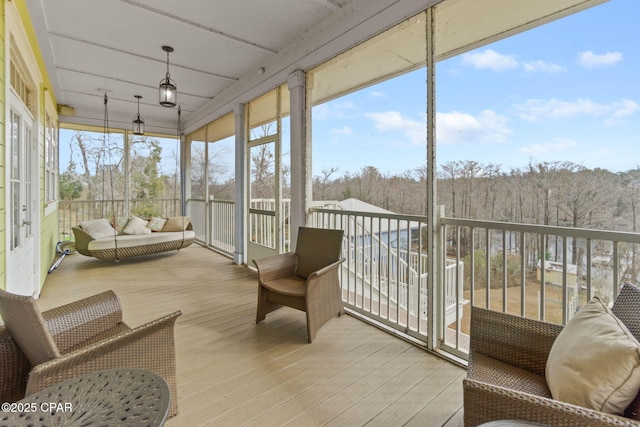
(384, 277)
(262, 223)
(222, 229)
(503, 269)
(73, 212)
(214, 223)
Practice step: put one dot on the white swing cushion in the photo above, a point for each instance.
(135, 226)
(134, 240)
(98, 228)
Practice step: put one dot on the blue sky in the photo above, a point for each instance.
(568, 90)
(565, 91)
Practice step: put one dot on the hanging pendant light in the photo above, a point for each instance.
(168, 88)
(138, 123)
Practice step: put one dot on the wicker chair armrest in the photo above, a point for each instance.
(516, 340)
(324, 270)
(76, 322)
(323, 286)
(14, 368)
(150, 346)
(487, 402)
(81, 241)
(277, 266)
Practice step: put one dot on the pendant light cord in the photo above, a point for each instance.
(107, 142)
(175, 184)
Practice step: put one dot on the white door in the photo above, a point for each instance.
(22, 260)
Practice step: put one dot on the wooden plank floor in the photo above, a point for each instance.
(232, 372)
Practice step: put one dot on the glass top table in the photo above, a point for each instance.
(115, 397)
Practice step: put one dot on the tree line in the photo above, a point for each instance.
(557, 193)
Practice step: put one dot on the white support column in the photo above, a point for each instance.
(185, 173)
(435, 280)
(240, 217)
(301, 179)
(127, 185)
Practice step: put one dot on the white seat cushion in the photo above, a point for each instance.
(133, 240)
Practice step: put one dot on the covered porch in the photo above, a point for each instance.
(233, 372)
(410, 277)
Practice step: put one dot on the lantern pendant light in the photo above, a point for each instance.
(168, 88)
(138, 123)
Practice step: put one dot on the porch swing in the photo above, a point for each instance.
(102, 239)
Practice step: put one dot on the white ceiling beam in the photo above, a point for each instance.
(193, 24)
(137, 55)
(328, 4)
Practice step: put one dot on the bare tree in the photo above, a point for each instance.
(262, 171)
(322, 182)
(451, 172)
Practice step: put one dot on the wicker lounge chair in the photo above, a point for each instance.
(40, 349)
(306, 279)
(506, 374)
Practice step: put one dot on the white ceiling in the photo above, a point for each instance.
(115, 46)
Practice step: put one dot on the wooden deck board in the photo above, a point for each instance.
(234, 372)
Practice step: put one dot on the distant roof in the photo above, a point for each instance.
(374, 226)
(352, 204)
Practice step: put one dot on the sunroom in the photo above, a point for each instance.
(341, 114)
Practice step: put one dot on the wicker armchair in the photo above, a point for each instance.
(506, 373)
(306, 279)
(40, 349)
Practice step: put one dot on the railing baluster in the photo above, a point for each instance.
(616, 269)
(379, 280)
(543, 270)
(565, 290)
(504, 271)
(488, 267)
(589, 264)
(523, 275)
(472, 251)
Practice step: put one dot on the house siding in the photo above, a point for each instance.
(46, 103)
(3, 115)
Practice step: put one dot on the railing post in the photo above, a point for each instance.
(436, 282)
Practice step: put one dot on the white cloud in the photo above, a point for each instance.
(378, 94)
(321, 112)
(334, 110)
(542, 66)
(346, 130)
(589, 59)
(537, 110)
(490, 59)
(461, 128)
(621, 110)
(625, 108)
(549, 148)
(394, 121)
